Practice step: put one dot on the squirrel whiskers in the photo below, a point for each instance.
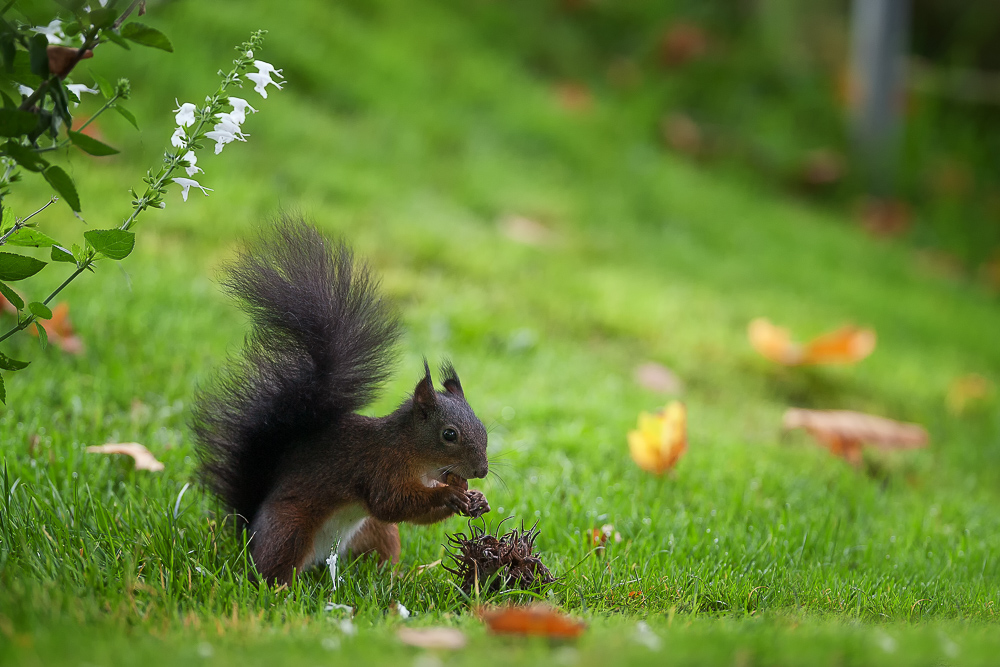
(278, 435)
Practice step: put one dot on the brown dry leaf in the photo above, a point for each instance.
(844, 432)
(538, 620)
(573, 97)
(846, 345)
(822, 168)
(967, 392)
(658, 378)
(682, 134)
(682, 43)
(433, 638)
(144, 459)
(62, 59)
(660, 439)
(885, 218)
(525, 230)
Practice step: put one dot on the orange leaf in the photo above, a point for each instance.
(846, 345)
(660, 439)
(539, 620)
(144, 459)
(442, 638)
(60, 330)
(844, 432)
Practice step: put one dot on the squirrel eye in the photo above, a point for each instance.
(449, 434)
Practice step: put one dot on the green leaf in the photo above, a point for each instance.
(8, 364)
(112, 243)
(43, 335)
(60, 254)
(103, 85)
(18, 267)
(40, 310)
(38, 51)
(116, 38)
(90, 145)
(15, 123)
(8, 101)
(103, 17)
(143, 34)
(31, 238)
(12, 296)
(127, 115)
(24, 156)
(63, 184)
(60, 101)
(8, 50)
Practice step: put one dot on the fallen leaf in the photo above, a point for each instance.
(660, 439)
(538, 620)
(682, 134)
(967, 392)
(682, 43)
(659, 378)
(844, 432)
(822, 168)
(573, 97)
(60, 330)
(525, 230)
(144, 459)
(433, 638)
(885, 218)
(846, 345)
(62, 59)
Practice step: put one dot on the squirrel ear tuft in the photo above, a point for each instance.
(423, 395)
(450, 380)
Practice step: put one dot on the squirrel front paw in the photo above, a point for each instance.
(478, 505)
(455, 498)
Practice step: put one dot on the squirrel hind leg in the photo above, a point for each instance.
(375, 537)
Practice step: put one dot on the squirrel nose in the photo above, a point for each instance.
(482, 472)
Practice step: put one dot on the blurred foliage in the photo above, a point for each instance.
(759, 87)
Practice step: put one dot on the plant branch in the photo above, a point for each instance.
(21, 223)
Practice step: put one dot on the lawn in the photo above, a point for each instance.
(413, 135)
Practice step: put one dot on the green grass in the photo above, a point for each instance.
(411, 135)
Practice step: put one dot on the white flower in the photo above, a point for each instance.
(179, 138)
(263, 77)
(185, 114)
(53, 32)
(188, 183)
(267, 68)
(227, 123)
(192, 161)
(240, 108)
(24, 90)
(222, 135)
(249, 53)
(78, 88)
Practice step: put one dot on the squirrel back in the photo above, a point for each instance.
(320, 343)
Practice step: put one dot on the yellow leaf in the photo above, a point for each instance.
(660, 439)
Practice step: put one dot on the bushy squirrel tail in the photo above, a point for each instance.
(320, 343)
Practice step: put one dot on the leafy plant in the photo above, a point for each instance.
(38, 66)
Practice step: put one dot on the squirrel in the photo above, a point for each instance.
(278, 434)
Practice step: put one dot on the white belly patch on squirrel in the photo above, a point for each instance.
(337, 533)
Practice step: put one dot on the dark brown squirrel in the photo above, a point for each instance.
(278, 434)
